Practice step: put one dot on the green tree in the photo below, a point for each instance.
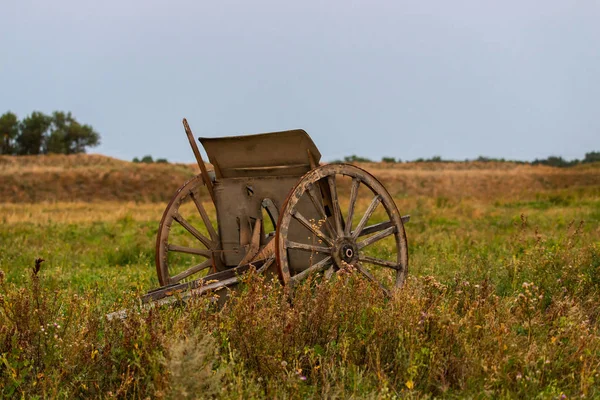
(32, 133)
(68, 136)
(147, 159)
(9, 130)
(81, 136)
(55, 143)
(593, 156)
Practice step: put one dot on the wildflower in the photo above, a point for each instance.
(284, 364)
(519, 376)
(299, 373)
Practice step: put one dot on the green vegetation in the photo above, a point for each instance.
(432, 159)
(552, 161)
(147, 159)
(354, 159)
(38, 133)
(501, 302)
(555, 161)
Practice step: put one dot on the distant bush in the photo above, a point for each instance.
(147, 159)
(489, 159)
(554, 161)
(594, 156)
(355, 158)
(432, 159)
(389, 160)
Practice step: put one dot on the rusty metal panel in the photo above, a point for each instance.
(283, 153)
(238, 204)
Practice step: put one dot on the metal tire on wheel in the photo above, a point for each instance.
(205, 245)
(334, 241)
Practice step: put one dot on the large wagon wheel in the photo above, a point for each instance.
(340, 238)
(187, 243)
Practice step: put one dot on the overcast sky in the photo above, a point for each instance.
(459, 79)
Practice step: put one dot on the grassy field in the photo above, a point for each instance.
(501, 300)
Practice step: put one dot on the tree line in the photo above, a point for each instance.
(38, 133)
(553, 161)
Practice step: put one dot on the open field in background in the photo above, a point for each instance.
(83, 177)
(501, 300)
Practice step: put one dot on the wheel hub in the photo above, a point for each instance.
(345, 251)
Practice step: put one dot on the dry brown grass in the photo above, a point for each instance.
(500, 183)
(83, 177)
(79, 212)
(56, 178)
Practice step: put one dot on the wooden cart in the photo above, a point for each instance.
(268, 204)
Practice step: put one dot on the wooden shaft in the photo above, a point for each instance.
(203, 170)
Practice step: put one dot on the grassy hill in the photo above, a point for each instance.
(85, 177)
(95, 177)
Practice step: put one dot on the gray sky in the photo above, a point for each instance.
(459, 79)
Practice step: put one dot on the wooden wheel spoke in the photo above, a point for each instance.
(370, 277)
(367, 230)
(376, 237)
(337, 214)
(318, 267)
(189, 250)
(183, 222)
(333, 237)
(311, 227)
(307, 247)
(353, 195)
(209, 227)
(374, 203)
(378, 261)
(192, 270)
(319, 207)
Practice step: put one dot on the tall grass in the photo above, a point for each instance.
(528, 329)
(337, 338)
(500, 302)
